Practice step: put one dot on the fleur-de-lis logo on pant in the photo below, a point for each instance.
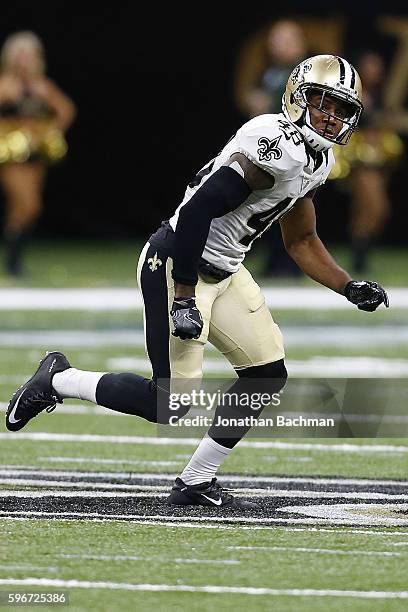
(154, 262)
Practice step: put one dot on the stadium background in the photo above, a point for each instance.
(155, 98)
(82, 490)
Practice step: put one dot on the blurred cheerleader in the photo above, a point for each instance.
(374, 150)
(34, 115)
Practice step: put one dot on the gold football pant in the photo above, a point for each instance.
(236, 320)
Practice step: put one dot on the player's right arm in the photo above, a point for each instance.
(223, 192)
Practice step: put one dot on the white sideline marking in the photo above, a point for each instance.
(16, 471)
(325, 551)
(62, 437)
(183, 522)
(104, 485)
(293, 298)
(351, 513)
(70, 299)
(80, 493)
(340, 519)
(134, 491)
(172, 522)
(123, 586)
(160, 559)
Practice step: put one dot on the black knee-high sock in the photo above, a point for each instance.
(132, 394)
(128, 393)
(271, 378)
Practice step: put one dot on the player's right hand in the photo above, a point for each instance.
(187, 319)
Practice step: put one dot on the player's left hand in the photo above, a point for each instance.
(367, 295)
(187, 319)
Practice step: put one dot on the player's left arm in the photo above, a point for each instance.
(303, 244)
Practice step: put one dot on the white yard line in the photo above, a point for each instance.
(101, 461)
(323, 551)
(293, 298)
(333, 367)
(92, 409)
(76, 338)
(66, 408)
(216, 589)
(157, 559)
(150, 440)
(346, 336)
(363, 532)
(33, 568)
(12, 516)
(8, 379)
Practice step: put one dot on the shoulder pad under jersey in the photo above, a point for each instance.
(273, 144)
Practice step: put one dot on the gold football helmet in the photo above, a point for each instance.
(332, 76)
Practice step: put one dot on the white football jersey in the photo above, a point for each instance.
(275, 145)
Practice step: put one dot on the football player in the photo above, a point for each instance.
(193, 267)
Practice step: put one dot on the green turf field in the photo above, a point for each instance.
(113, 263)
(82, 490)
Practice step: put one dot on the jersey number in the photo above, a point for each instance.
(261, 221)
(289, 132)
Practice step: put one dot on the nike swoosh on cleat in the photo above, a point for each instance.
(10, 417)
(216, 502)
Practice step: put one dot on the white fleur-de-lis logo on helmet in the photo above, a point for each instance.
(154, 262)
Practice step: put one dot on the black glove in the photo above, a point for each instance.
(187, 319)
(366, 294)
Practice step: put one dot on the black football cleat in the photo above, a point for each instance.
(206, 494)
(37, 394)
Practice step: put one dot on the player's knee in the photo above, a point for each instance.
(168, 408)
(273, 375)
